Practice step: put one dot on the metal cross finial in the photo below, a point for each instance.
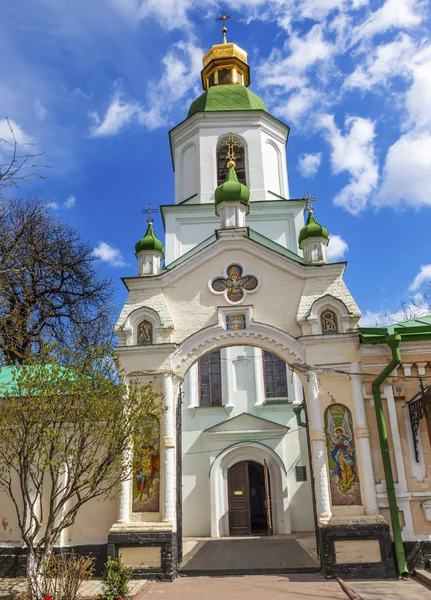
(150, 210)
(231, 142)
(310, 199)
(224, 17)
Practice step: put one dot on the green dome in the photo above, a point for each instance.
(150, 242)
(312, 229)
(226, 97)
(232, 190)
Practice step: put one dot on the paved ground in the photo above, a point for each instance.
(88, 589)
(394, 589)
(257, 555)
(249, 587)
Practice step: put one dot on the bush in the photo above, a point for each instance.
(116, 577)
(64, 574)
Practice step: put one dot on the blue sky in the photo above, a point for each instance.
(99, 84)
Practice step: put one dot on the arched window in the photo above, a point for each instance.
(329, 321)
(145, 333)
(222, 160)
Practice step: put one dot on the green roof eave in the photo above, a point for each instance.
(412, 330)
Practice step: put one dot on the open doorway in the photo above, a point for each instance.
(249, 499)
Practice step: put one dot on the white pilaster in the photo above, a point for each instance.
(362, 435)
(318, 442)
(258, 376)
(168, 471)
(421, 368)
(125, 500)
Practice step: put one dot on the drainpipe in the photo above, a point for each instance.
(393, 342)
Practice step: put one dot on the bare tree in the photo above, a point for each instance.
(66, 430)
(19, 163)
(50, 286)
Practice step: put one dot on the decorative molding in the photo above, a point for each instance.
(232, 283)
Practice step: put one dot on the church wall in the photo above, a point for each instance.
(201, 449)
(93, 522)
(412, 478)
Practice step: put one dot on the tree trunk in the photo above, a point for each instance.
(35, 574)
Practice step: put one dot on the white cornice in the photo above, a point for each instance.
(239, 118)
(311, 340)
(234, 241)
(406, 348)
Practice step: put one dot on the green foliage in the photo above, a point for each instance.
(67, 424)
(116, 577)
(64, 574)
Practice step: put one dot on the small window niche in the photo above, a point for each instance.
(329, 322)
(222, 160)
(145, 333)
(300, 473)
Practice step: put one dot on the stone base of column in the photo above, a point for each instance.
(361, 550)
(150, 548)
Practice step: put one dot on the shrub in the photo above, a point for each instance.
(64, 574)
(116, 577)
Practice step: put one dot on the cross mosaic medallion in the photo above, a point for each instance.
(234, 285)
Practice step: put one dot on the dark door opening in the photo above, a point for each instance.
(249, 502)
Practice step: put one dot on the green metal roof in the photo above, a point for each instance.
(150, 242)
(312, 229)
(412, 330)
(8, 376)
(232, 190)
(226, 97)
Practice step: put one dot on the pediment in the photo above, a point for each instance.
(246, 425)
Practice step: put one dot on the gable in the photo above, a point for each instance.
(246, 426)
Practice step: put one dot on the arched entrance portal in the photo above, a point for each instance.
(249, 499)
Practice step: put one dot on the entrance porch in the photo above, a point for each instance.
(292, 553)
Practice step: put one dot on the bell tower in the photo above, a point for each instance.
(228, 112)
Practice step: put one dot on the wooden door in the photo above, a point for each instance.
(267, 498)
(239, 500)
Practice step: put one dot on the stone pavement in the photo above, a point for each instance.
(89, 589)
(248, 587)
(390, 589)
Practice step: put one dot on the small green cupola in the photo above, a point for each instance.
(313, 237)
(149, 250)
(232, 200)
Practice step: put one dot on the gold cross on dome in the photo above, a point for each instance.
(310, 199)
(230, 143)
(224, 17)
(150, 210)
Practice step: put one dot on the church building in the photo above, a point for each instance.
(276, 421)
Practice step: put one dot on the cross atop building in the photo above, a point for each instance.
(231, 143)
(310, 199)
(150, 210)
(224, 17)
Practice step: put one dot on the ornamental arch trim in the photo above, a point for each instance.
(337, 306)
(260, 335)
(144, 313)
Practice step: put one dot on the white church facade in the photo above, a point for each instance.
(274, 419)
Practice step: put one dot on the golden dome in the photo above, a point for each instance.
(225, 64)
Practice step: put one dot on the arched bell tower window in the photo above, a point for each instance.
(227, 144)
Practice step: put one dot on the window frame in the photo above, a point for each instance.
(266, 382)
(238, 168)
(210, 384)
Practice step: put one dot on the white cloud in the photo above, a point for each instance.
(40, 110)
(66, 205)
(400, 14)
(353, 152)
(182, 64)
(423, 275)
(119, 114)
(406, 174)
(388, 60)
(109, 254)
(418, 97)
(337, 248)
(308, 164)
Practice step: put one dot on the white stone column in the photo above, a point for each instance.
(125, 499)
(168, 464)
(362, 435)
(318, 444)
